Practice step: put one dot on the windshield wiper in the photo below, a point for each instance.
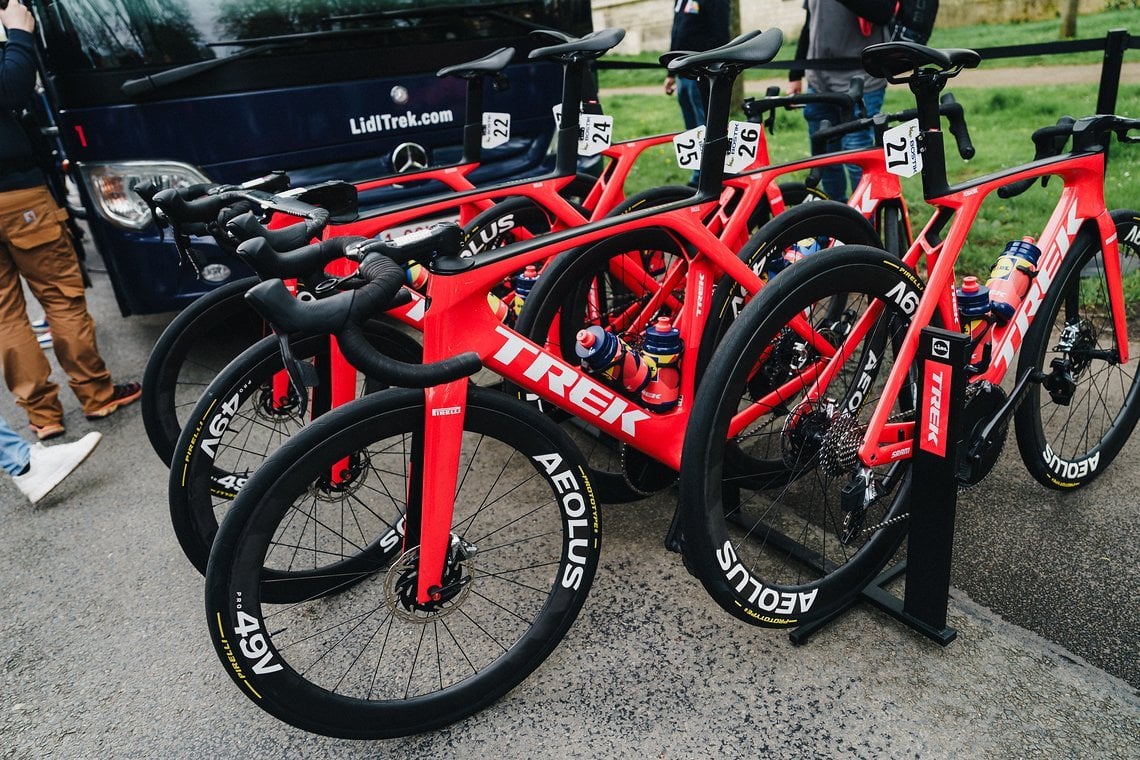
(134, 88)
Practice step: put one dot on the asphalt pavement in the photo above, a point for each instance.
(105, 650)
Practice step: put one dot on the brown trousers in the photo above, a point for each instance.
(35, 245)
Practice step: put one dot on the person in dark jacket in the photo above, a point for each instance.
(697, 25)
(35, 246)
(833, 31)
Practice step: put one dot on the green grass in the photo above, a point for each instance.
(1001, 122)
(1094, 25)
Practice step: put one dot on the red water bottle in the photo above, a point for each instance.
(662, 351)
(1010, 278)
(603, 353)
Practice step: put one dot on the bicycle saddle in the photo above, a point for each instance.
(592, 45)
(492, 63)
(673, 55)
(754, 49)
(888, 60)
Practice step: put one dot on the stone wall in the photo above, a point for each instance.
(647, 22)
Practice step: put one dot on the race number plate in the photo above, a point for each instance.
(900, 146)
(743, 142)
(496, 129)
(687, 147)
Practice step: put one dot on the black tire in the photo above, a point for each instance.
(826, 221)
(1071, 427)
(605, 284)
(352, 664)
(793, 194)
(237, 424)
(191, 351)
(747, 499)
(508, 221)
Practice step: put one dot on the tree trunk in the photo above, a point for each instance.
(1069, 19)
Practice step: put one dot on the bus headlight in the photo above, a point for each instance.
(110, 187)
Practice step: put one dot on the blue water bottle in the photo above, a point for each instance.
(523, 284)
(1010, 278)
(662, 351)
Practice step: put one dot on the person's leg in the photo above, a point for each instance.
(26, 370)
(48, 466)
(46, 259)
(691, 100)
(15, 453)
(833, 181)
(873, 103)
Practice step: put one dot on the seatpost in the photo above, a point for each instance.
(926, 85)
(473, 122)
(566, 158)
(716, 132)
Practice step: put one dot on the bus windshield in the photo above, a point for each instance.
(104, 35)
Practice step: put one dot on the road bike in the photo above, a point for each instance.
(804, 427)
(216, 327)
(261, 411)
(254, 410)
(410, 556)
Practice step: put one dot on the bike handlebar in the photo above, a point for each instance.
(344, 314)
(1089, 135)
(948, 107)
(299, 262)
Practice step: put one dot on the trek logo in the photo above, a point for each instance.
(594, 399)
(1047, 266)
(935, 400)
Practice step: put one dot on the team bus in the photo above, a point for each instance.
(322, 89)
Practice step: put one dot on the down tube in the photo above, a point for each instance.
(526, 365)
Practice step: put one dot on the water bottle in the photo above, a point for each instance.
(603, 353)
(662, 350)
(500, 309)
(794, 253)
(973, 313)
(1010, 278)
(523, 283)
(973, 307)
(417, 276)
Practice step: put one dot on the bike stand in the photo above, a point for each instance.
(933, 498)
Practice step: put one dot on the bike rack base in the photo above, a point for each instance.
(933, 498)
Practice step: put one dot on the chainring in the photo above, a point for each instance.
(983, 401)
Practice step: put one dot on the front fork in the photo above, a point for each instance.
(434, 474)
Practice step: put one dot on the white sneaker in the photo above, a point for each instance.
(40, 326)
(49, 465)
(45, 340)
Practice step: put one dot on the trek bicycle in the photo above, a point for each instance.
(409, 557)
(804, 427)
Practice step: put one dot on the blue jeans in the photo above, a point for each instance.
(14, 450)
(834, 182)
(691, 98)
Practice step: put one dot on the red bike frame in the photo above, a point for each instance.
(1081, 202)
